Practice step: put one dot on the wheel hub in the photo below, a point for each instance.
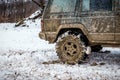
(70, 48)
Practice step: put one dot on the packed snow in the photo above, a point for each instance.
(24, 56)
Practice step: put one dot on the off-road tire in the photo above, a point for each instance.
(96, 48)
(70, 49)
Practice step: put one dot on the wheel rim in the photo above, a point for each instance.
(70, 49)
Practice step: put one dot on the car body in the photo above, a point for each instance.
(97, 20)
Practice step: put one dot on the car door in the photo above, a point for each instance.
(117, 20)
(99, 19)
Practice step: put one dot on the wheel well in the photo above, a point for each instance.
(75, 31)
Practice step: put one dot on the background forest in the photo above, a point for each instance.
(15, 10)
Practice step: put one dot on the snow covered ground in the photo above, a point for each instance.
(24, 56)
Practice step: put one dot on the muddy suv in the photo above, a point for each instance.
(79, 26)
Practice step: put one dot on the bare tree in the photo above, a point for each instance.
(15, 10)
(40, 3)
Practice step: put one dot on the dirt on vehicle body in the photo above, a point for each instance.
(79, 25)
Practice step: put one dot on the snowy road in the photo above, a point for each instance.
(23, 56)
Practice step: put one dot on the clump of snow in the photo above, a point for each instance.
(35, 14)
(113, 50)
(22, 54)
